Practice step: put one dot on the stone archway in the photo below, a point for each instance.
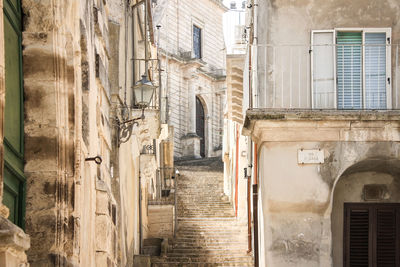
(368, 181)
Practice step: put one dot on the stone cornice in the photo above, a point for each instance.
(323, 125)
(220, 5)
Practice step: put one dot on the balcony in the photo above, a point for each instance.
(346, 77)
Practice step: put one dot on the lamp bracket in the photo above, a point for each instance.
(125, 128)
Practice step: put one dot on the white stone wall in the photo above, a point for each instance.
(180, 72)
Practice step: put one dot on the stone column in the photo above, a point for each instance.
(191, 141)
(192, 106)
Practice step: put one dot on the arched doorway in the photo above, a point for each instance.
(365, 217)
(200, 126)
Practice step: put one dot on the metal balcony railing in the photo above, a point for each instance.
(341, 76)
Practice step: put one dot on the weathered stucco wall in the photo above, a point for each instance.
(302, 204)
(286, 26)
(304, 16)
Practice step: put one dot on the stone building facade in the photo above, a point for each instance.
(325, 120)
(67, 72)
(192, 54)
(235, 145)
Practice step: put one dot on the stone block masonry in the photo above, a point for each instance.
(186, 77)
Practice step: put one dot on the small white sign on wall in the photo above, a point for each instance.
(310, 156)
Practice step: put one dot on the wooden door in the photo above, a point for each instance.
(200, 126)
(14, 181)
(371, 234)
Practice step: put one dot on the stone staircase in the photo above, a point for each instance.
(208, 234)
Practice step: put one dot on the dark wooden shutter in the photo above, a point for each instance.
(371, 234)
(386, 238)
(359, 238)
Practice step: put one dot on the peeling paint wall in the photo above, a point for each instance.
(302, 204)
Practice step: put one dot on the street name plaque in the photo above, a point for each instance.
(310, 156)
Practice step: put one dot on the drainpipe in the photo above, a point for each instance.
(255, 208)
(146, 63)
(237, 170)
(254, 85)
(255, 52)
(133, 49)
(249, 181)
(140, 216)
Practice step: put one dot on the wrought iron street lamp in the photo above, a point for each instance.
(143, 91)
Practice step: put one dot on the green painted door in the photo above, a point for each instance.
(14, 181)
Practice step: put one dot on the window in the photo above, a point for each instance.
(197, 53)
(351, 69)
(371, 234)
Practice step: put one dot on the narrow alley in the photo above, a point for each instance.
(208, 233)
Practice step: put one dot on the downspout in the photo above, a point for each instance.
(133, 50)
(237, 171)
(255, 53)
(146, 63)
(255, 208)
(255, 86)
(249, 183)
(140, 215)
(249, 247)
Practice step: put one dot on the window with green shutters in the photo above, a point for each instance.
(349, 70)
(14, 181)
(361, 61)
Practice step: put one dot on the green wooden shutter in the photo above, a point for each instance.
(375, 70)
(14, 181)
(349, 70)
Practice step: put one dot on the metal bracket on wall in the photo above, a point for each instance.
(125, 128)
(98, 160)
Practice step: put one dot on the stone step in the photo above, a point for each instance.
(205, 259)
(208, 234)
(181, 212)
(204, 206)
(195, 254)
(172, 248)
(212, 231)
(203, 264)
